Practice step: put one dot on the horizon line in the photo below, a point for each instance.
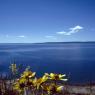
(45, 42)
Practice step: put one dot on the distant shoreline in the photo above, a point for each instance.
(52, 42)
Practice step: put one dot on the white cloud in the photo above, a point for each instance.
(61, 33)
(50, 37)
(72, 30)
(75, 29)
(21, 36)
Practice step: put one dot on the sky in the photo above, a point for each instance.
(36, 21)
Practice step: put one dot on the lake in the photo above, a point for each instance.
(76, 59)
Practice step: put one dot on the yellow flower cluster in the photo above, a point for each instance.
(28, 81)
(24, 81)
(54, 76)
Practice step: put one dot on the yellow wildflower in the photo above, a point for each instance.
(54, 76)
(40, 81)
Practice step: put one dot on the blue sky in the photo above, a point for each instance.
(31, 21)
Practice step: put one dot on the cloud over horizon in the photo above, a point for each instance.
(71, 30)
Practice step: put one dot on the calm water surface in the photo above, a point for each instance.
(76, 59)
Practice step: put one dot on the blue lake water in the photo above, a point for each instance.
(75, 59)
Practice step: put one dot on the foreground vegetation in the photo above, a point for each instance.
(26, 83)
